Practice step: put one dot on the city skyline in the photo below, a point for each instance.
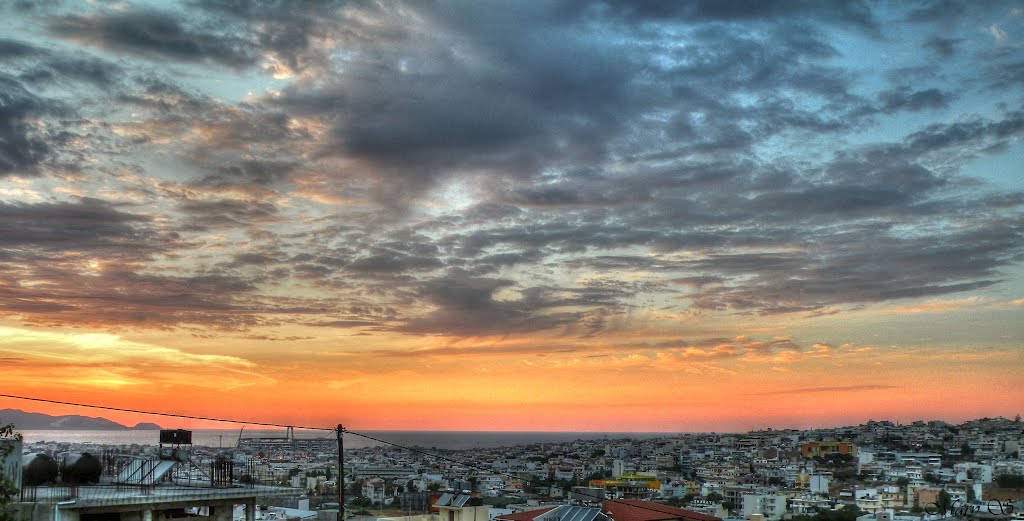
(580, 216)
(146, 421)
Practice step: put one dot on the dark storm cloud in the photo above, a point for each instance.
(155, 35)
(700, 147)
(468, 90)
(495, 262)
(248, 172)
(44, 66)
(491, 106)
(22, 146)
(227, 213)
(863, 266)
(285, 29)
(82, 257)
(386, 262)
(32, 5)
(944, 136)
(88, 225)
(556, 196)
(858, 13)
(120, 298)
(936, 10)
(904, 98)
(466, 306)
(163, 97)
(16, 49)
(943, 47)
(253, 259)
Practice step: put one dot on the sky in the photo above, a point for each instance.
(526, 216)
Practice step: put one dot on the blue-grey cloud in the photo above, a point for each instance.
(154, 34)
(599, 156)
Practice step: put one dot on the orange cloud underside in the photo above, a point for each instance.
(513, 384)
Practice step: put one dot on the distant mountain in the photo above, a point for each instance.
(29, 421)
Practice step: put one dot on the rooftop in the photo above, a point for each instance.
(528, 515)
(105, 495)
(638, 510)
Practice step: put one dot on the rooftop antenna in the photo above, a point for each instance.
(341, 473)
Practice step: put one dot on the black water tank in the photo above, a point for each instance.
(38, 469)
(82, 468)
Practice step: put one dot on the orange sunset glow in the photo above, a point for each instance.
(512, 217)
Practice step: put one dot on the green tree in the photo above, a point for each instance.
(8, 492)
(847, 513)
(945, 503)
(966, 452)
(1010, 481)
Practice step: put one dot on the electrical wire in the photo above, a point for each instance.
(335, 429)
(104, 407)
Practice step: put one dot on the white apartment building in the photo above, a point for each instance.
(771, 506)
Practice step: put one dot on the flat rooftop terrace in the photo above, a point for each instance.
(105, 495)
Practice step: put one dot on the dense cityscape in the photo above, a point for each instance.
(917, 471)
(527, 260)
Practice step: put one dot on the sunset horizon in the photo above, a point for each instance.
(243, 426)
(170, 420)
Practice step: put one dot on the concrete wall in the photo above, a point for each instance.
(423, 517)
(38, 511)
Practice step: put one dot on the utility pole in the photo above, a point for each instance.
(341, 474)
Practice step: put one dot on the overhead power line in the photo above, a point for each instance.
(172, 415)
(334, 429)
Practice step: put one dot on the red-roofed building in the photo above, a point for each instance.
(639, 510)
(558, 513)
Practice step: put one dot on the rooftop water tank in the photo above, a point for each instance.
(82, 468)
(38, 469)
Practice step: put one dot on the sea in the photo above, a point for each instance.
(444, 440)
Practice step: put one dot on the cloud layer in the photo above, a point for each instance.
(586, 173)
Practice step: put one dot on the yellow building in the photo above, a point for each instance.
(628, 485)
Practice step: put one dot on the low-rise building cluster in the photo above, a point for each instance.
(907, 472)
